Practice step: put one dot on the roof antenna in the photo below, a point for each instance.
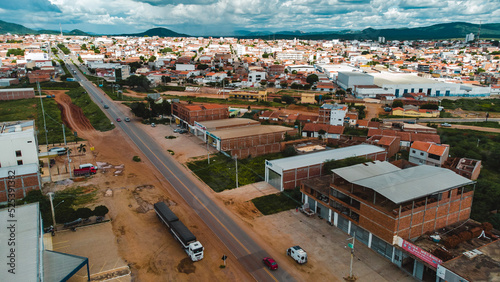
(478, 33)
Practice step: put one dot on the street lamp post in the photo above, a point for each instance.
(351, 276)
(51, 198)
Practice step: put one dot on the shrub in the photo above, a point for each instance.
(136, 159)
(100, 211)
(84, 213)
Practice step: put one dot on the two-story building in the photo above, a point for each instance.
(332, 114)
(385, 207)
(428, 153)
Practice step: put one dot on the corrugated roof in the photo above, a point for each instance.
(321, 157)
(404, 185)
(362, 171)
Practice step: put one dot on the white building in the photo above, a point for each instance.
(185, 67)
(290, 55)
(256, 76)
(350, 79)
(400, 84)
(19, 144)
(469, 37)
(427, 153)
(333, 114)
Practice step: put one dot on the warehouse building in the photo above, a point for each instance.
(287, 173)
(400, 84)
(189, 114)
(349, 79)
(242, 137)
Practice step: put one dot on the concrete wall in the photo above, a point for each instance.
(16, 94)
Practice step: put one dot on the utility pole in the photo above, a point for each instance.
(351, 276)
(236, 160)
(51, 195)
(67, 154)
(208, 152)
(44, 128)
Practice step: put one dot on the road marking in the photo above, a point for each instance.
(60, 242)
(195, 197)
(63, 247)
(103, 266)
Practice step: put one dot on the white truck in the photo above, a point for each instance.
(181, 233)
(298, 254)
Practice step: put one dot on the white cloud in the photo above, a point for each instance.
(120, 16)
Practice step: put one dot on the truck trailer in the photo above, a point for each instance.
(181, 233)
(84, 171)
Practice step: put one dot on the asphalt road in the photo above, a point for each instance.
(441, 119)
(241, 246)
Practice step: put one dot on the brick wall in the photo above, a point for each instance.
(23, 184)
(16, 94)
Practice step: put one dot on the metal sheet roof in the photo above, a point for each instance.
(404, 185)
(321, 157)
(25, 235)
(362, 171)
(59, 266)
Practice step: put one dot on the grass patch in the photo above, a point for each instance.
(220, 173)
(95, 115)
(30, 109)
(478, 105)
(490, 124)
(276, 203)
(170, 137)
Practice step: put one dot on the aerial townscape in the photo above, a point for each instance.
(368, 150)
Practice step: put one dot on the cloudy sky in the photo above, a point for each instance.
(222, 17)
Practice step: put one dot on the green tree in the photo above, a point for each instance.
(83, 47)
(284, 84)
(397, 104)
(429, 106)
(288, 99)
(312, 78)
(167, 50)
(152, 59)
(100, 210)
(84, 213)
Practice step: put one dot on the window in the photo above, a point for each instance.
(18, 154)
(20, 162)
(30, 141)
(421, 154)
(413, 151)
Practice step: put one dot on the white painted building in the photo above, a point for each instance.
(185, 67)
(256, 76)
(19, 144)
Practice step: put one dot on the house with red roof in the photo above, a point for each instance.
(429, 153)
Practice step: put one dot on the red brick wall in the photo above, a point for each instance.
(23, 184)
(254, 141)
(15, 94)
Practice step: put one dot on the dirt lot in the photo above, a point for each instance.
(143, 242)
(152, 253)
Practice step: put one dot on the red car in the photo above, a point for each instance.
(118, 119)
(270, 263)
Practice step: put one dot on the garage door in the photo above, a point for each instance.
(274, 179)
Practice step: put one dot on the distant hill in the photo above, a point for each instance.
(158, 31)
(13, 28)
(437, 31)
(6, 27)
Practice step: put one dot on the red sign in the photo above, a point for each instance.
(419, 253)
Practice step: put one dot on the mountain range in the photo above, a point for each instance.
(438, 31)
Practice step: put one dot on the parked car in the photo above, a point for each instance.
(177, 130)
(182, 131)
(270, 263)
(153, 125)
(445, 124)
(106, 106)
(127, 119)
(118, 119)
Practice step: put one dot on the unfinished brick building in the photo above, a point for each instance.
(383, 204)
(191, 113)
